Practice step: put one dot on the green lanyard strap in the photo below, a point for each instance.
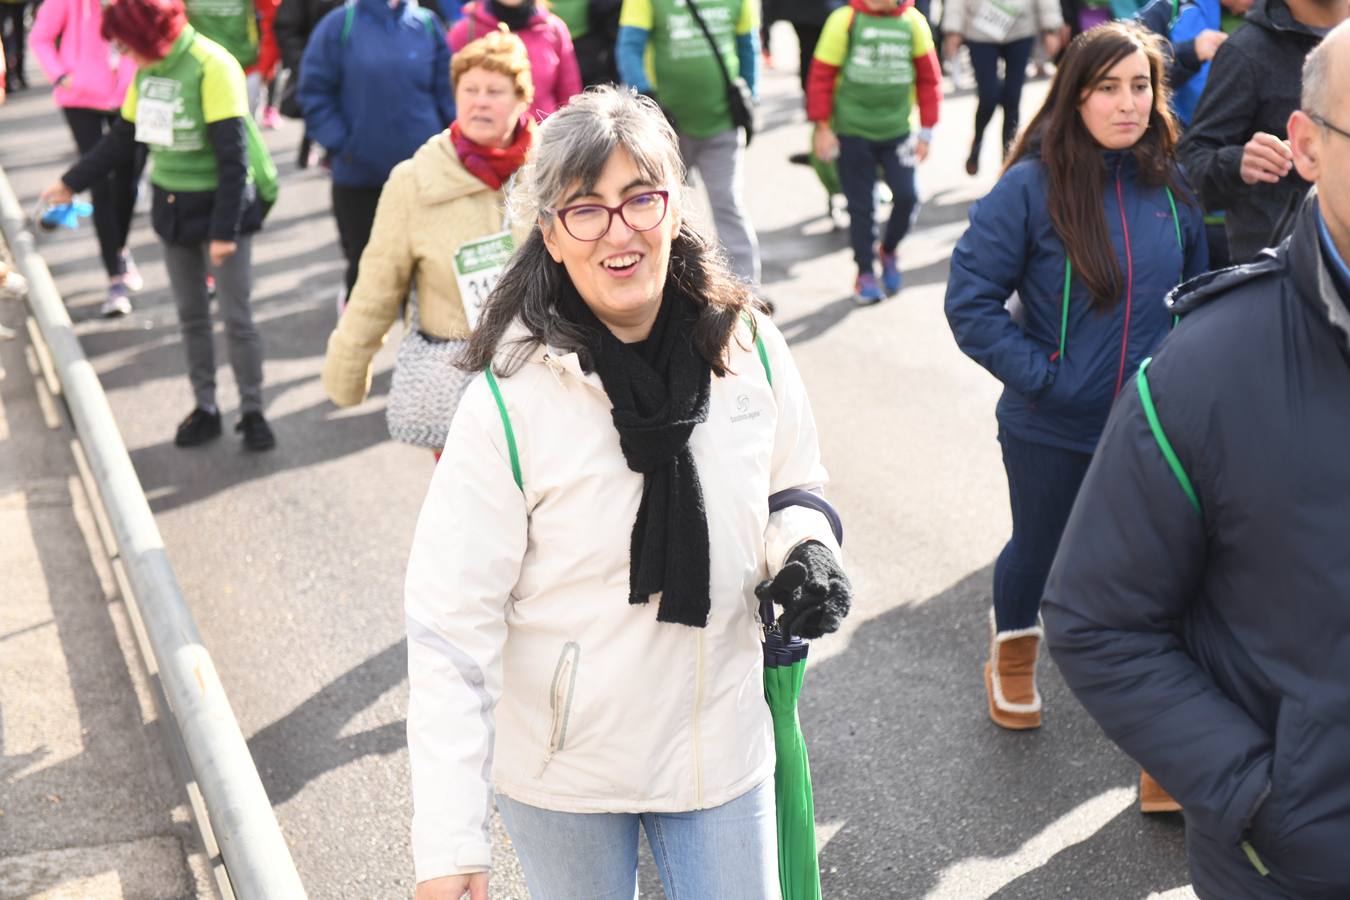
(1068, 275)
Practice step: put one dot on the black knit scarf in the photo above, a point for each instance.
(659, 389)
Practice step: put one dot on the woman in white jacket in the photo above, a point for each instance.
(994, 30)
(583, 639)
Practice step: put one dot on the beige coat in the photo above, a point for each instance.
(530, 673)
(430, 206)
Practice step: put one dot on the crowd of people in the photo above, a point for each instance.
(575, 349)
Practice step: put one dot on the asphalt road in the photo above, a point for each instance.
(293, 560)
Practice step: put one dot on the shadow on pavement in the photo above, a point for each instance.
(902, 750)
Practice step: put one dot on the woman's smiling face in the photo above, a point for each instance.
(621, 274)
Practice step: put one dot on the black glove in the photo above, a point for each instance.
(812, 589)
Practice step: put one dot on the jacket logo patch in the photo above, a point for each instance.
(743, 410)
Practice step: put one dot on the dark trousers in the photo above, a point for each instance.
(114, 196)
(354, 209)
(807, 37)
(1042, 484)
(1217, 238)
(995, 93)
(12, 35)
(859, 160)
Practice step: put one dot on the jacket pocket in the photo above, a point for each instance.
(182, 218)
(561, 694)
(1302, 828)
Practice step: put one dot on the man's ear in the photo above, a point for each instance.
(550, 240)
(1305, 140)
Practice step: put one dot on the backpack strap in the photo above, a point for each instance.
(347, 17)
(1164, 445)
(506, 424)
(759, 345)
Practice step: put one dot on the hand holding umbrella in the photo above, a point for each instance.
(813, 590)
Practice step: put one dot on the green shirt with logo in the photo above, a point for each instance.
(171, 102)
(680, 63)
(874, 93)
(232, 24)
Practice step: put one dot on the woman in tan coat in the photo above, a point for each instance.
(442, 234)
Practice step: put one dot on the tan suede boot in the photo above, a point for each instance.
(1010, 677)
(1152, 797)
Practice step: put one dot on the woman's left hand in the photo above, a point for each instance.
(812, 589)
(921, 151)
(1052, 41)
(221, 251)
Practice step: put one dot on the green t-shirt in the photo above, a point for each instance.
(171, 102)
(230, 23)
(680, 61)
(874, 94)
(575, 15)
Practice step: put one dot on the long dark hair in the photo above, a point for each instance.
(1075, 170)
(573, 147)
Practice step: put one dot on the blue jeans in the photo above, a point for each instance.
(728, 851)
(994, 93)
(859, 160)
(1042, 485)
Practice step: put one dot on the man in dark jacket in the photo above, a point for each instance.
(1236, 151)
(1199, 606)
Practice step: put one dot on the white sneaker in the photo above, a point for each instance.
(117, 303)
(13, 286)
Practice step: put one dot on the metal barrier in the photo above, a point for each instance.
(257, 859)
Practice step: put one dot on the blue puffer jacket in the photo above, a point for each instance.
(1011, 246)
(376, 96)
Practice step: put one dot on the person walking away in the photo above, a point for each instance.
(440, 227)
(294, 22)
(1236, 152)
(873, 57)
(213, 184)
(687, 80)
(13, 29)
(374, 86)
(1217, 489)
(994, 30)
(553, 64)
(90, 79)
(1091, 246)
(653, 411)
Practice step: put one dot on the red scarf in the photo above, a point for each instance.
(491, 165)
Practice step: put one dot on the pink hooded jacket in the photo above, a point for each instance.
(553, 63)
(98, 74)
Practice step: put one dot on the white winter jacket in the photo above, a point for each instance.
(530, 673)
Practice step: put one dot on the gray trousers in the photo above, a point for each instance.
(188, 268)
(718, 161)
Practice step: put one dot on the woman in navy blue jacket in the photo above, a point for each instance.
(374, 87)
(1090, 226)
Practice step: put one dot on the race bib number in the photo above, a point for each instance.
(155, 110)
(996, 18)
(478, 265)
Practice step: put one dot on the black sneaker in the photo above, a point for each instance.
(199, 427)
(257, 433)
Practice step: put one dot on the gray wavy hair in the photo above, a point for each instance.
(574, 144)
(571, 150)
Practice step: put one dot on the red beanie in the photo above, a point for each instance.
(148, 27)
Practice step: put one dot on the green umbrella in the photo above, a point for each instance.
(784, 668)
